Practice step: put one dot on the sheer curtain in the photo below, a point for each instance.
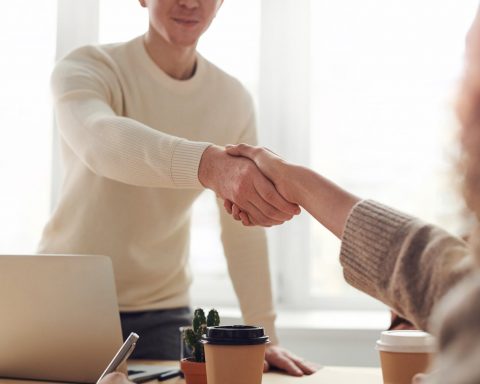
(27, 37)
(359, 91)
(362, 93)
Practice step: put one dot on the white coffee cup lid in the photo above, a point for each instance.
(406, 341)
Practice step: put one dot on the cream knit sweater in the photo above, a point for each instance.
(419, 270)
(132, 139)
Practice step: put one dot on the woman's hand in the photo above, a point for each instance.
(115, 378)
(419, 378)
(271, 166)
(323, 199)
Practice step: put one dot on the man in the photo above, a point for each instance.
(143, 125)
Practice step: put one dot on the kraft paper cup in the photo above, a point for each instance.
(235, 354)
(403, 354)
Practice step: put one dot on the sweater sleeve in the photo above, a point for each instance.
(87, 99)
(407, 264)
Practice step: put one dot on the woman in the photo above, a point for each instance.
(415, 268)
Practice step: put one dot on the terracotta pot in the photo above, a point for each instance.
(195, 373)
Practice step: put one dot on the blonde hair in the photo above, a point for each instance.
(468, 112)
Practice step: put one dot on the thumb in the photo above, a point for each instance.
(232, 150)
(266, 366)
(240, 150)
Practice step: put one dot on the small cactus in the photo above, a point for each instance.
(192, 336)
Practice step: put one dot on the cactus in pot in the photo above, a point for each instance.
(193, 367)
(192, 336)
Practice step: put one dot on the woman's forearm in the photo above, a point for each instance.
(324, 200)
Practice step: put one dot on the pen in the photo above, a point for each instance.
(169, 375)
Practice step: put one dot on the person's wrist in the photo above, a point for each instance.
(295, 178)
(291, 181)
(206, 167)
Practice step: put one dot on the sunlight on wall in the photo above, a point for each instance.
(384, 75)
(27, 37)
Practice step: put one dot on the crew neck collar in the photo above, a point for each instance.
(175, 85)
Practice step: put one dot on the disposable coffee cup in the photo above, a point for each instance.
(403, 354)
(234, 354)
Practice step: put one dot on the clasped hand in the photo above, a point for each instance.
(273, 168)
(239, 182)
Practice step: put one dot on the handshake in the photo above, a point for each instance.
(252, 181)
(260, 188)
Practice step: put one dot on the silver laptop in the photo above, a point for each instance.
(59, 319)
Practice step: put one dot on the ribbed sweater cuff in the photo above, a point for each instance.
(367, 240)
(185, 161)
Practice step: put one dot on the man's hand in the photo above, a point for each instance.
(278, 357)
(115, 378)
(238, 179)
(272, 166)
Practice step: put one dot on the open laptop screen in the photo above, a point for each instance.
(60, 319)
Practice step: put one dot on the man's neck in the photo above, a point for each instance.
(177, 62)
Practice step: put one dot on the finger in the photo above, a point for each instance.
(307, 367)
(246, 220)
(283, 362)
(227, 204)
(244, 150)
(273, 204)
(236, 212)
(269, 193)
(302, 363)
(257, 216)
(266, 366)
(250, 219)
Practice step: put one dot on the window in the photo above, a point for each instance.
(27, 36)
(359, 91)
(383, 78)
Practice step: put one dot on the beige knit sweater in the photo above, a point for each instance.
(425, 274)
(132, 138)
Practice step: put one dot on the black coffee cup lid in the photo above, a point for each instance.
(235, 335)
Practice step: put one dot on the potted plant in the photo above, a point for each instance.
(193, 367)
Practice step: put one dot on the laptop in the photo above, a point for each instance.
(59, 319)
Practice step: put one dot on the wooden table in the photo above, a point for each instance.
(326, 375)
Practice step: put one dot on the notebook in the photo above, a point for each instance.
(59, 319)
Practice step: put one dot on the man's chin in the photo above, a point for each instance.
(185, 38)
(186, 42)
